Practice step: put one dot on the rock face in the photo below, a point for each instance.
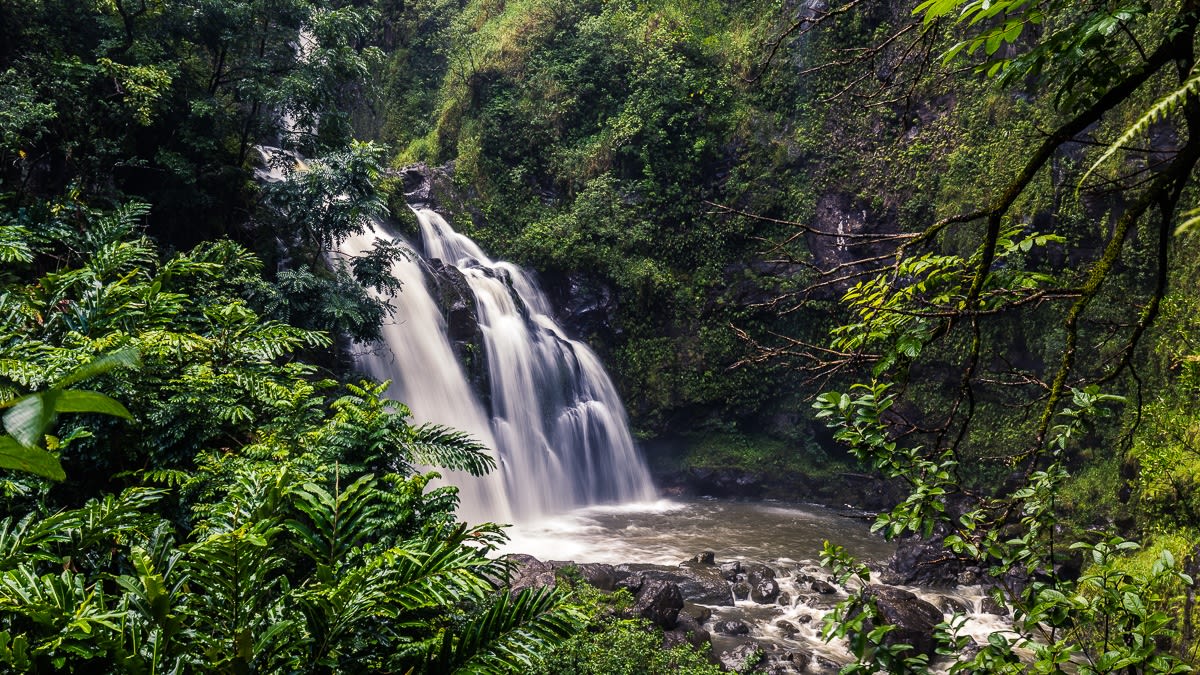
(839, 219)
(418, 185)
(914, 619)
(584, 306)
(456, 302)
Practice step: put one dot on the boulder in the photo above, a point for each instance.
(785, 662)
(989, 606)
(599, 575)
(701, 584)
(658, 602)
(529, 572)
(953, 606)
(823, 587)
(915, 620)
(632, 583)
(731, 570)
(731, 627)
(704, 558)
(765, 591)
(699, 612)
(784, 600)
(787, 628)
(742, 657)
(756, 573)
(688, 631)
(742, 590)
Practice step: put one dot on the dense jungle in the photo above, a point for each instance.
(931, 265)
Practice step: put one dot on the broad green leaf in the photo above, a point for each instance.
(15, 456)
(29, 417)
(89, 402)
(125, 358)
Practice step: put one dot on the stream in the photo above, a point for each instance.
(786, 537)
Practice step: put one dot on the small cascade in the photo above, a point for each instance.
(551, 413)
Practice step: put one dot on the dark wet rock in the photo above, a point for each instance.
(731, 627)
(787, 627)
(756, 573)
(632, 583)
(840, 213)
(953, 606)
(781, 661)
(704, 558)
(915, 619)
(804, 618)
(823, 664)
(969, 577)
(741, 590)
(731, 570)
(688, 630)
(599, 575)
(418, 185)
(700, 612)
(920, 561)
(765, 591)
(990, 606)
(658, 602)
(699, 584)
(784, 600)
(823, 587)
(741, 657)
(584, 305)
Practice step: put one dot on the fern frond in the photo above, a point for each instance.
(509, 637)
(14, 244)
(1165, 106)
(436, 445)
(1192, 219)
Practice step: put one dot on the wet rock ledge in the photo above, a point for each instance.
(693, 603)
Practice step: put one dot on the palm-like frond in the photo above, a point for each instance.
(436, 445)
(334, 525)
(1160, 110)
(508, 637)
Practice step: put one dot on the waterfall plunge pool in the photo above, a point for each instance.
(785, 537)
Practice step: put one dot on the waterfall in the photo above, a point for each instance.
(550, 412)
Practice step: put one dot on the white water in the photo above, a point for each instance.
(786, 537)
(555, 421)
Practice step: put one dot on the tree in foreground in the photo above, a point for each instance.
(986, 347)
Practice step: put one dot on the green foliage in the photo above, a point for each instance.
(30, 417)
(615, 646)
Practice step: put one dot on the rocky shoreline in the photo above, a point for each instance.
(749, 616)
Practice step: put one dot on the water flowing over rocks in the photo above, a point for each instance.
(693, 603)
(475, 348)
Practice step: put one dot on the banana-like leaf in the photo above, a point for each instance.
(79, 401)
(14, 455)
(30, 416)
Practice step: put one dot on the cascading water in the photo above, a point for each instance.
(553, 415)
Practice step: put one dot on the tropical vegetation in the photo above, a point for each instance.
(950, 241)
